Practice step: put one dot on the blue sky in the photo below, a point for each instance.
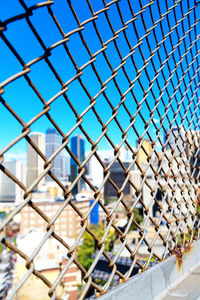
(20, 96)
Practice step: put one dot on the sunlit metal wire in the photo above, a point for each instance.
(159, 64)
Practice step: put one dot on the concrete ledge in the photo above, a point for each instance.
(154, 283)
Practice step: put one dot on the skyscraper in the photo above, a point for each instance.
(10, 191)
(141, 154)
(53, 142)
(65, 161)
(176, 140)
(117, 174)
(35, 164)
(94, 167)
(78, 149)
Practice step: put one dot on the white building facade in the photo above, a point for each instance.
(10, 191)
(52, 143)
(35, 164)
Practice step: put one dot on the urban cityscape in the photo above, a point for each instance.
(100, 149)
(28, 226)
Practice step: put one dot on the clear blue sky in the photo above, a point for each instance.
(25, 102)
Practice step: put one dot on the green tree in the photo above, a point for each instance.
(137, 218)
(87, 248)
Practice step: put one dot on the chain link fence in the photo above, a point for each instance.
(125, 75)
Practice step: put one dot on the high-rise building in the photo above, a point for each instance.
(10, 191)
(35, 164)
(145, 149)
(53, 142)
(94, 168)
(117, 175)
(78, 149)
(65, 162)
(175, 140)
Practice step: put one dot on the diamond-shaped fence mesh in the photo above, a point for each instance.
(117, 85)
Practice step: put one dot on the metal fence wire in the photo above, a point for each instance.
(128, 74)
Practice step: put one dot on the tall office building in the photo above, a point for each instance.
(94, 168)
(145, 150)
(175, 140)
(35, 164)
(78, 149)
(53, 142)
(65, 162)
(117, 175)
(10, 191)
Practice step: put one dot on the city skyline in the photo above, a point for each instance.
(104, 153)
(35, 165)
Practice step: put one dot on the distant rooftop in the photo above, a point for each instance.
(51, 130)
